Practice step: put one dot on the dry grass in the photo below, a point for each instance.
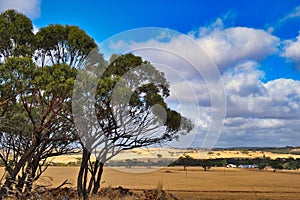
(193, 184)
(151, 153)
(120, 193)
(196, 184)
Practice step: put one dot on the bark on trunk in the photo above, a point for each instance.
(81, 190)
(13, 175)
(98, 179)
(85, 185)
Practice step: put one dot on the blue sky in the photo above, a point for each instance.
(255, 44)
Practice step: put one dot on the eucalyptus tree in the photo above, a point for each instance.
(36, 124)
(129, 111)
(58, 44)
(36, 119)
(16, 36)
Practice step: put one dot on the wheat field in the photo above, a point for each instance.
(194, 183)
(216, 183)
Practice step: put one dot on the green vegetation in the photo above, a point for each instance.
(276, 150)
(38, 74)
(279, 163)
(135, 162)
(134, 126)
(244, 151)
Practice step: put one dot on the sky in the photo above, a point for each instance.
(254, 44)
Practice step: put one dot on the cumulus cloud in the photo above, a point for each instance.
(291, 50)
(225, 46)
(259, 113)
(249, 97)
(244, 80)
(256, 110)
(228, 47)
(28, 7)
(260, 132)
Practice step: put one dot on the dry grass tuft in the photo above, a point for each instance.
(110, 193)
(120, 193)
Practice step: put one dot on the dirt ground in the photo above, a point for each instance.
(194, 183)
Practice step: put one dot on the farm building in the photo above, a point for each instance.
(248, 166)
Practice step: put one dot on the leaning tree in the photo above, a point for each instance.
(37, 74)
(122, 110)
(35, 125)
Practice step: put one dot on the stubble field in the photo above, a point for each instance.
(195, 183)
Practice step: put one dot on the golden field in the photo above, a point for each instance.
(195, 183)
(216, 183)
(151, 153)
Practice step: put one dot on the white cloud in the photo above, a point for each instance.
(228, 47)
(28, 7)
(293, 14)
(249, 97)
(225, 46)
(258, 113)
(244, 80)
(291, 50)
(35, 29)
(256, 110)
(260, 132)
(217, 25)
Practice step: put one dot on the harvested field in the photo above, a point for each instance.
(195, 183)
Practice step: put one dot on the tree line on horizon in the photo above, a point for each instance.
(262, 163)
(38, 75)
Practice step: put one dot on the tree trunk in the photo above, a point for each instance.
(81, 190)
(13, 175)
(22, 179)
(94, 181)
(99, 176)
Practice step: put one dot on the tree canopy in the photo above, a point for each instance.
(16, 36)
(57, 44)
(35, 112)
(130, 109)
(38, 73)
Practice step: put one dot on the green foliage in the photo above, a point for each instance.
(277, 150)
(128, 75)
(16, 76)
(262, 165)
(291, 164)
(56, 79)
(36, 97)
(16, 36)
(244, 151)
(36, 121)
(224, 162)
(130, 110)
(279, 163)
(63, 45)
(276, 164)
